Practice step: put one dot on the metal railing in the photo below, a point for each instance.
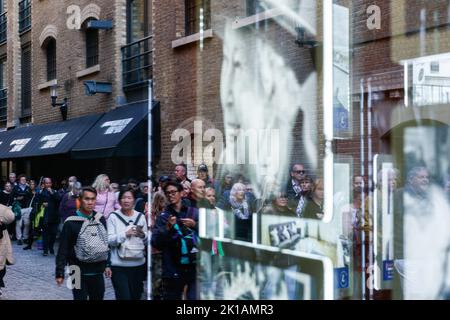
(425, 95)
(24, 15)
(3, 27)
(137, 62)
(3, 104)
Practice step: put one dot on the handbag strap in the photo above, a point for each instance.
(124, 221)
(106, 201)
(98, 216)
(31, 202)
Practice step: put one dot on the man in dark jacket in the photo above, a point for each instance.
(203, 174)
(172, 226)
(49, 198)
(92, 284)
(197, 196)
(293, 187)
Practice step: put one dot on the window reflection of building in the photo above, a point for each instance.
(431, 80)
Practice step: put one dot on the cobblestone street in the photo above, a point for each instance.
(32, 278)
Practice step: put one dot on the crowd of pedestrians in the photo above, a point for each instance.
(104, 227)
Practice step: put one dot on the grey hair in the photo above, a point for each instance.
(76, 185)
(236, 187)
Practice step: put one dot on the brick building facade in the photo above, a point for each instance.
(187, 73)
(188, 68)
(52, 21)
(65, 44)
(383, 94)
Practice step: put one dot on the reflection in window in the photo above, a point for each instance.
(256, 6)
(430, 80)
(138, 20)
(197, 12)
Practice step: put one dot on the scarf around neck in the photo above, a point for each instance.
(240, 210)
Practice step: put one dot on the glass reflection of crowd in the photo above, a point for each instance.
(301, 196)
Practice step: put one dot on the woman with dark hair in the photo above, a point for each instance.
(127, 234)
(6, 194)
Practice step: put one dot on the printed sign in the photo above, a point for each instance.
(53, 140)
(341, 278)
(116, 126)
(19, 144)
(388, 270)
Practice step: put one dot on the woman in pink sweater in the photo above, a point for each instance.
(106, 198)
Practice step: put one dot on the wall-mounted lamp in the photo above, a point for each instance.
(63, 106)
(302, 40)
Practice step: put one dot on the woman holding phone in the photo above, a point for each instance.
(127, 236)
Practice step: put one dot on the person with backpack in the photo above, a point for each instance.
(84, 247)
(127, 235)
(175, 234)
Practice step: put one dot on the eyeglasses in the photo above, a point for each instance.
(299, 172)
(170, 193)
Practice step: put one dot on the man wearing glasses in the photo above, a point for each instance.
(294, 189)
(175, 229)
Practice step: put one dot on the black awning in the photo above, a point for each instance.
(120, 132)
(47, 139)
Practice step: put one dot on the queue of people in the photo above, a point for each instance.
(123, 220)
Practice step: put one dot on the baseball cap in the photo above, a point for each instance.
(202, 167)
(164, 179)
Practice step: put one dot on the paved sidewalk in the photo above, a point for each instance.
(32, 278)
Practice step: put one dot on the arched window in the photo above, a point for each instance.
(91, 47)
(51, 59)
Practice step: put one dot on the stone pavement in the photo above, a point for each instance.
(32, 278)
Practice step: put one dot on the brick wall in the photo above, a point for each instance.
(70, 55)
(71, 58)
(187, 79)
